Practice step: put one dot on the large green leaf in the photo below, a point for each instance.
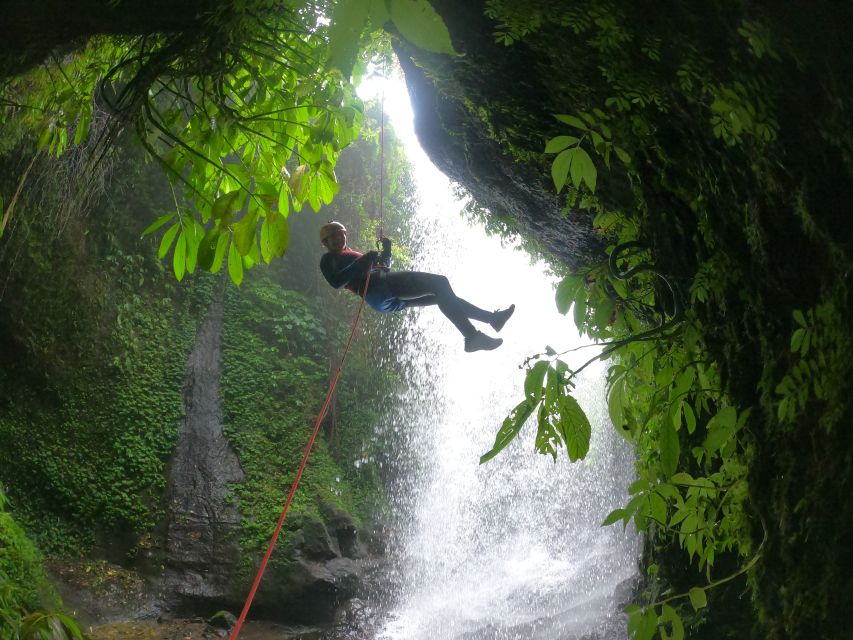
(219, 256)
(418, 23)
(349, 20)
(615, 405)
(670, 448)
(670, 616)
(179, 258)
(244, 233)
(567, 291)
(698, 598)
(379, 14)
(573, 121)
(555, 145)
(279, 235)
(235, 264)
(207, 248)
(533, 381)
(583, 169)
(720, 428)
(509, 429)
(547, 435)
(560, 168)
(159, 222)
(168, 238)
(227, 204)
(574, 427)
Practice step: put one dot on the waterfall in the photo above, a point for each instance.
(201, 548)
(513, 548)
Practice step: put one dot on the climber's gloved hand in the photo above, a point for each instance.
(386, 244)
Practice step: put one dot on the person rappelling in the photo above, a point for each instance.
(394, 291)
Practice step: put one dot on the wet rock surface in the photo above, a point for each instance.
(458, 104)
(201, 547)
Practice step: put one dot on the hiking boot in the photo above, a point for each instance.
(499, 318)
(479, 341)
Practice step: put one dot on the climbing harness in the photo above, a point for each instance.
(265, 560)
(257, 581)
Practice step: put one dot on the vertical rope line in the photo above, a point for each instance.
(381, 156)
(257, 581)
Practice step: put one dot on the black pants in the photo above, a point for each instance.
(420, 289)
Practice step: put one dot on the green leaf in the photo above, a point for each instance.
(207, 248)
(559, 143)
(168, 238)
(235, 264)
(226, 205)
(799, 318)
(671, 617)
(622, 155)
(615, 406)
(244, 233)
(648, 625)
(574, 427)
(689, 417)
(279, 235)
(219, 256)
(533, 381)
(573, 121)
(613, 517)
(378, 13)
(583, 169)
(193, 240)
(418, 23)
(567, 291)
(580, 311)
(670, 448)
(284, 200)
(720, 428)
(159, 222)
(298, 184)
(682, 478)
(547, 437)
(179, 258)
(266, 244)
(698, 598)
(797, 339)
(512, 424)
(349, 20)
(657, 508)
(560, 168)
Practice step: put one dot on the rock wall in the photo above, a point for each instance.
(202, 546)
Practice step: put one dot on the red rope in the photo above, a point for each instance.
(236, 631)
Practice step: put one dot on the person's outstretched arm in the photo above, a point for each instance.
(340, 269)
(385, 256)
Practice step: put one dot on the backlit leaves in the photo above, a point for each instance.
(418, 23)
(561, 422)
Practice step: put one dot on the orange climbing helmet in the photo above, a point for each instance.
(329, 228)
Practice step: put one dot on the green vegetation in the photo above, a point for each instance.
(247, 111)
(91, 397)
(96, 339)
(688, 308)
(700, 141)
(22, 577)
(25, 590)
